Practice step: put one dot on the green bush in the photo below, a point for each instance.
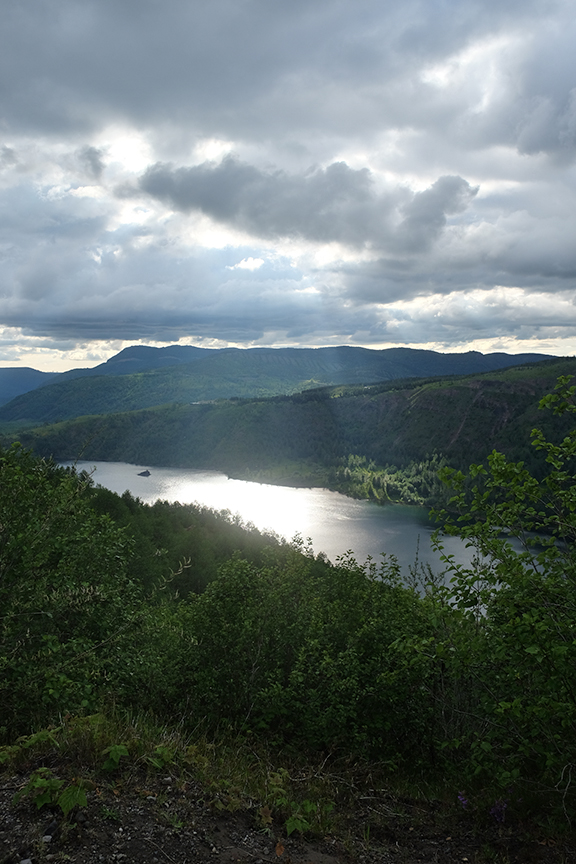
(63, 593)
(311, 653)
(517, 662)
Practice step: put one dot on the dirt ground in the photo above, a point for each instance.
(162, 820)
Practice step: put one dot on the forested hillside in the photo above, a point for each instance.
(142, 377)
(349, 438)
(14, 381)
(468, 688)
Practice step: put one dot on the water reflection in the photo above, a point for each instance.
(336, 524)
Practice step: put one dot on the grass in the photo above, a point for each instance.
(359, 805)
(310, 794)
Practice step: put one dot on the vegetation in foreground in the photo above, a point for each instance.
(467, 692)
(226, 797)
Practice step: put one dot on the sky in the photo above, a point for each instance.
(286, 173)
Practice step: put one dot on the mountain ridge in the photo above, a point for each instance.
(145, 376)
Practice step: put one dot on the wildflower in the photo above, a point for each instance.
(498, 810)
(463, 800)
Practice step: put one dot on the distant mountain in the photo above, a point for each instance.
(143, 377)
(403, 362)
(15, 380)
(141, 358)
(308, 435)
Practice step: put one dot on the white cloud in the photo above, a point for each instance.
(247, 264)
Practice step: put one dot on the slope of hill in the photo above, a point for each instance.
(15, 380)
(311, 435)
(231, 372)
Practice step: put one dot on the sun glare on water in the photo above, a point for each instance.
(276, 508)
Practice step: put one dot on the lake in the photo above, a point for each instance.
(334, 523)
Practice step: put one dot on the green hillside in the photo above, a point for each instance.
(99, 395)
(17, 380)
(308, 438)
(231, 372)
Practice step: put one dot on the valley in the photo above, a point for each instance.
(383, 441)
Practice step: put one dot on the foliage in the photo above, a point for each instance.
(418, 483)
(515, 654)
(63, 591)
(179, 546)
(113, 756)
(13, 752)
(44, 788)
(307, 651)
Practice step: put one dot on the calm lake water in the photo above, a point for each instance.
(334, 523)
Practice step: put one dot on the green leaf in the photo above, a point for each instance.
(72, 797)
(115, 753)
(44, 798)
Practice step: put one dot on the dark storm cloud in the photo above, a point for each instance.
(331, 204)
(251, 68)
(336, 203)
(142, 295)
(426, 215)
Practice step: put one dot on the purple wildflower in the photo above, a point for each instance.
(463, 800)
(498, 810)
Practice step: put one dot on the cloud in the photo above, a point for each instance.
(256, 70)
(270, 173)
(247, 264)
(426, 214)
(324, 205)
(334, 204)
(91, 159)
(8, 157)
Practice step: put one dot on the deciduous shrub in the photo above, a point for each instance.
(63, 592)
(518, 660)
